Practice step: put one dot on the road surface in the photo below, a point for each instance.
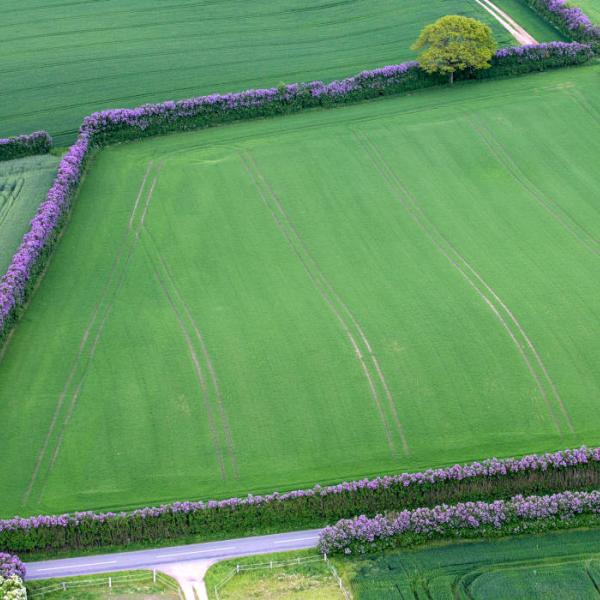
(155, 558)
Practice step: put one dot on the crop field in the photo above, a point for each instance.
(62, 61)
(558, 565)
(23, 185)
(257, 306)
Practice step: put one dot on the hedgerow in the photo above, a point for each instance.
(464, 520)
(112, 126)
(38, 142)
(491, 479)
(569, 20)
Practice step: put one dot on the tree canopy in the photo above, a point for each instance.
(455, 43)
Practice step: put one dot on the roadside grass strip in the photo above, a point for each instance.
(134, 585)
(257, 306)
(529, 567)
(63, 61)
(300, 574)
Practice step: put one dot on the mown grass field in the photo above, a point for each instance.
(62, 61)
(273, 577)
(393, 285)
(558, 565)
(23, 186)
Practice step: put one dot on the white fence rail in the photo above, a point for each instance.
(110, 581)
(274, 564)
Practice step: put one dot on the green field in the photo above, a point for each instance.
(23, 185)
(62, 61)
(392, 285)
(558, 565)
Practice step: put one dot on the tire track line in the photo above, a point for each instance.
(12, 196)
(403, 195)
(343, 305)
(207, 358)
(553, 208)
(125, 246)
(325, 296)
(92, 351)
(197, 368)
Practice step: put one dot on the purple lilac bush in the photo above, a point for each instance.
(11, 565)
(309, 507)
(413, 526)
(38, 142)
(569, 19)
(44, 228)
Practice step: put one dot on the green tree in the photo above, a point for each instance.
(455, 43)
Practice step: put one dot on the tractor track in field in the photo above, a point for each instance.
(431, 232)
(501, 156)
(197, 368)
(330, 296)
(126, 247)
(11, 198)
(204, 349)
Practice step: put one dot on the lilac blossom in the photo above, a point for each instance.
(11, 565)
(362, 533)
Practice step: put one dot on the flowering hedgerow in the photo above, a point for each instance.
(11, 565)
(466, 519)
(38, 142)
(569, 19)
(111, 126)
(493, 478)
(44, 227)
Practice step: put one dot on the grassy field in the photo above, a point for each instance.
(273, 577)
(393, 285)
(23, 185)
(558, 565)
(62, 61)
(126, 585)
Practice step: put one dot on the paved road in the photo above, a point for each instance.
(148, 559)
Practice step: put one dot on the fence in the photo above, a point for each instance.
(110, 582)
(273, 564)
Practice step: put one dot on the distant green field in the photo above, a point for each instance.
(392, 285)
(23, 185)
(558, 565)
(60, 61)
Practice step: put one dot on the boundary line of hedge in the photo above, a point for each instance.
(534, 514)
(118, 125)
(38, 142)
(492, 479)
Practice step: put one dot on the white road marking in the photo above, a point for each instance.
(314, 537)
(196, 552)
(108, 562)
